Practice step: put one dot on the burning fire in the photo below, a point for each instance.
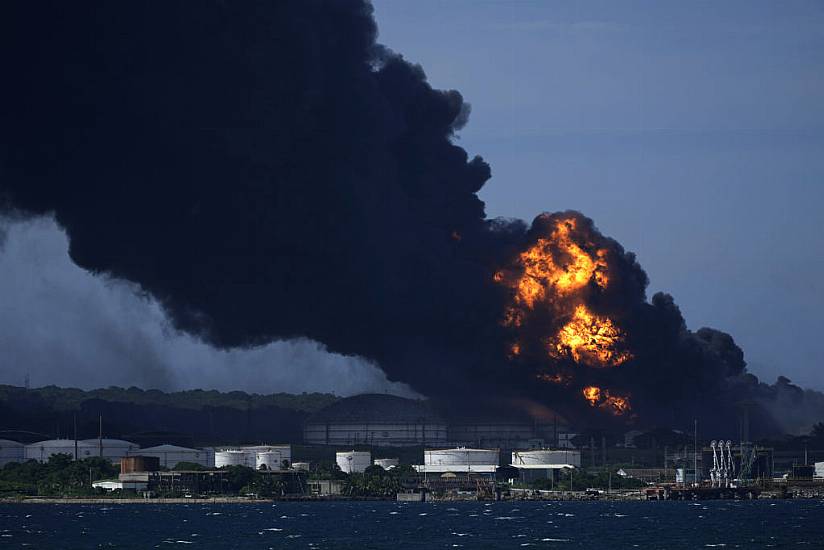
(556, 275)
(615, 404)
(589, 339)
(557, 265)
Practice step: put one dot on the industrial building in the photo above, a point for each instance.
(171, 455)
(376, 419)
(11, 451)
(460, 460)
(351, 462)
(819, 470)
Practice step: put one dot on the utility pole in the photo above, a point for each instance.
(75, 436)
(695, 454)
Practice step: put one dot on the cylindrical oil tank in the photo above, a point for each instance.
(353, 461)
(43, 450)
(546, 456)
(11, 451)
(461, 455)
(111, 449)
(234, 457)
(268, 460)
(386, 463)
(279, 453)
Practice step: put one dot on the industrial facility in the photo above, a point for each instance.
(390, 421)
(376, 419)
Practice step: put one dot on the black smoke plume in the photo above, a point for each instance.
(267, 170)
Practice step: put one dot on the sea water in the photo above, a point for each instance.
(314, 525)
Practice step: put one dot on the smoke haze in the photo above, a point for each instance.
(62, 325)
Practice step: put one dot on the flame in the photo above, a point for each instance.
(589, 339)
(556, 378)
(615, 404)
(551, 282)
(592, 394)
(559, 265)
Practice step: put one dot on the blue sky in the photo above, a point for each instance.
(692, 132)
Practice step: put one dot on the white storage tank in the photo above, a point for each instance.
(43, 450)
(234, 457)
(545, 457)
(111, 449)
(461, 456)
(170, 455)
(353, 461)
(11, 451)
(386, 463)
(277, 454)
(268, 460)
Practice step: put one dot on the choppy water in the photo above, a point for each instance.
(313, 525)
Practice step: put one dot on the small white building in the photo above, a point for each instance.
(171, 455)
(115, 485)
(353, 461)
(819, 469)
(11, 451)
(303, 466)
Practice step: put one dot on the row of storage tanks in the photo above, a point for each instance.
(462, 459)
(272, 457)
(276, 457)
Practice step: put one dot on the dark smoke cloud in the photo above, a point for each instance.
(60, 324)
(266, 170)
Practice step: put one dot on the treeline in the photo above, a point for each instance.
(151, 417)
(58, 477)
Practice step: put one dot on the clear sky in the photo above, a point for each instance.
(692, 132)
